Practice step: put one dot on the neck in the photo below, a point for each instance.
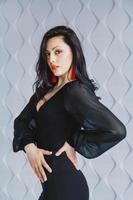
(62, 80)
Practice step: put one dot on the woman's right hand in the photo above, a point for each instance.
(36, 158)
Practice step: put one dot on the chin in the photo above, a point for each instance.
(58, 74)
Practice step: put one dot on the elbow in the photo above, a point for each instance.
(121, 132)
(16, 122)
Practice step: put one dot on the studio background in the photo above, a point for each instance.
(105, 29)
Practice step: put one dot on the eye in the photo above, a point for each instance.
(58, 51)
(47, 54)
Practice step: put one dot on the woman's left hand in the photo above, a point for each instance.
(71, 153)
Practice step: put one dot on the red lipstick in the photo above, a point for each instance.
(54, 67)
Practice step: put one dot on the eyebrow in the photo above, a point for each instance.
(54, 47)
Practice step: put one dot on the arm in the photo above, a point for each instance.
(25, 126)
(101, 129)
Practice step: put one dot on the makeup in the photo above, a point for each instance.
(54, 67)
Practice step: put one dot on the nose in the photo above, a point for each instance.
(52, 59)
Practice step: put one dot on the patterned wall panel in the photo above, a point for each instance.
(105, 29)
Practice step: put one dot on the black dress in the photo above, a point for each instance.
(74, 114)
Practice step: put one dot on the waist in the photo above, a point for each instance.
(54, 147)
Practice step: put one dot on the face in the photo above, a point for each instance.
(59, 55)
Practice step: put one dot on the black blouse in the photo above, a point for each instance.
(74, 114)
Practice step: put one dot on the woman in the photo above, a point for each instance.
(63, 116)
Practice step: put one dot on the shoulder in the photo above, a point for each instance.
(37, 95)
(78, 89)
(33, 100)
(33, 97)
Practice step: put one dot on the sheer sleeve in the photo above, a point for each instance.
(25, 126)
(99, 129)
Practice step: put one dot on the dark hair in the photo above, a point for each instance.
(44, 74)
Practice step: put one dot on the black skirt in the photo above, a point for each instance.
(65, 182)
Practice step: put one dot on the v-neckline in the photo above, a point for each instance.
(55, 95)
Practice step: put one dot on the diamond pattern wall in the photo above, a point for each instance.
(105, 29)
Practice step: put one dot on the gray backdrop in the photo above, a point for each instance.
(105, 29)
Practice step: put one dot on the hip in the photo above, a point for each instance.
(63, 169)
(65, 181)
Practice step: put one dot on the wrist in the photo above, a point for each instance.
(28, 146)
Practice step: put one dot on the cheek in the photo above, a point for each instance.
(66, 60)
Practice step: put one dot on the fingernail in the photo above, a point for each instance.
(57, 154)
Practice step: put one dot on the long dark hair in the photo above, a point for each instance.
(44, 74)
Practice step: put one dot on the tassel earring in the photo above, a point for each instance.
(54, 79)
(73, 73)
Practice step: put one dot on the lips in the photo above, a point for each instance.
(54, 67)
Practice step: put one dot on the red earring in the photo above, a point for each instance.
(54, 79)
(73, 73)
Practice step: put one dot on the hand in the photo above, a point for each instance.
(36, 159)
(71, 153)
